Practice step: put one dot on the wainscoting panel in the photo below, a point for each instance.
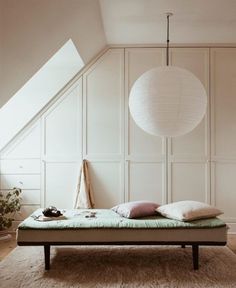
(30, 197)
(223, 131)
(20, 180)
(146, 181)
(103, 90)
(223, 103)
(62, 127)
(225, 183)
(188, 155)
(144, 153)
(137, 62)
(20, 166)
(27, 145)
(62, 149)
(60, 184)
(188, 181)
(107, 182)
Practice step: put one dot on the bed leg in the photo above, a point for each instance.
(47, 256)
(195, 250)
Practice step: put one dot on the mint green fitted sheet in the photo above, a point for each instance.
(106, 218)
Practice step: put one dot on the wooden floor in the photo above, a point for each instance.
(232, 242)
(7, 246)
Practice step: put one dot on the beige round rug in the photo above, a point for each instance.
(118, 266)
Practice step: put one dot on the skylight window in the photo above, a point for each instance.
(39, 90)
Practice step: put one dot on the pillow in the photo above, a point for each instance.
(136, 209)
(188, 210)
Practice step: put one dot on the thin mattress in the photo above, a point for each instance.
(104, 225)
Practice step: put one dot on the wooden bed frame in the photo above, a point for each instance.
(195, 247)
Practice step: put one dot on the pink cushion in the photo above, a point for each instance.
(136, 209)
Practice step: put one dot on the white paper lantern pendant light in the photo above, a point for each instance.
(167, 101)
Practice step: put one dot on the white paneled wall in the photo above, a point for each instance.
(145, 181)
(188, 155)
(103, 87)
(145, 154)
(103, 138)
(62, 149)
(26, 146)
(139, 143)
(107, 182)
(92, 121)
(60, 183)
(223, 131)
(21, 167)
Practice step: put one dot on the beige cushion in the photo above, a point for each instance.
(188, 210)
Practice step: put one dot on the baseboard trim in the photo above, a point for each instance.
(232, 228)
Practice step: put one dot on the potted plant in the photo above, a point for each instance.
(9, 205)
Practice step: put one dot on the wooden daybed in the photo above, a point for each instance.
(105, 227)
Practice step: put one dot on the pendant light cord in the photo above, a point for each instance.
(168, 40)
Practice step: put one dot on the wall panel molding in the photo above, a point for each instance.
(103, 107)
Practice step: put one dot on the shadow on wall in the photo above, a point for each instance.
(38, 91)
